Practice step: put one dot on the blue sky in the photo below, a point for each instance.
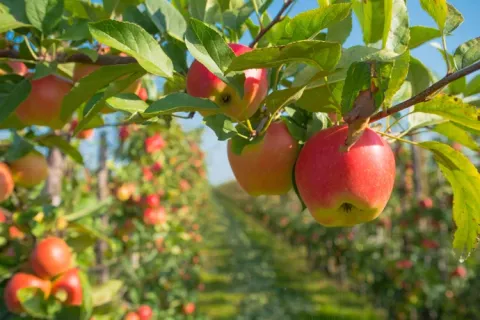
(218, 167)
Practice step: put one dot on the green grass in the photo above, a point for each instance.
(252, 274)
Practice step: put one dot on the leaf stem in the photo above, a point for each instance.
(396, 138)
(447, 57)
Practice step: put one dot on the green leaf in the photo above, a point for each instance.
(106, 292)
(44, 69)
(454, 19)
(453, 109)
(167, 18)
(418, 75)
(51, 141)
(235, 19)
(76, 32)
(473, 87)
(33, 302)
(87, 297)
(207, 11)
(222, 125)
(340, 31)
(322, 98)
(19, 148)
(90, 84)
(44, 14)
(465, 179)
(467, 53)
(17, 90)
(358, 79)
(128, 102)
(420, 34)
(398, 75)
(458, 86)
(318, 122)
(281, 98)
(308, 24)
(322, 54)
(371, 16)
(134, 15)
(396, 34)
(179, 102)
(454, 133)
(8, 22)
(136, 42)
(438, 10)
(16, 9)
(97, 208)
(209, 48)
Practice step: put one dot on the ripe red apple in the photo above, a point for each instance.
(430, 244)
(86, 134)
(345, 188)
(44, 103)
(20, 281)
(265, 168)
(189, 308)
(70, 283)
(17, 67)
(404, 264)
(154, 143)
(147, 174)
(145, 312)
(132, 316)
(426, 203)
(30, 170)
(6, 182)
(123, 133)
(154, 216)
(143, 94)
(184, 185)
(460, 272)
(152, 201)
(15, 233)
(204, 84)
(3, 215)
(51, 257)
(157, 166)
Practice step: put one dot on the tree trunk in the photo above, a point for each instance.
(53, 186)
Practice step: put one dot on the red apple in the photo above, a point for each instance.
(184, 185)
(145, 312)
(44, 103)
(147, 174)
(430, 244)
(15, 233)
(6, 182)
(426, 203)
(189, 308)
(143, 94)
(70, 283)
(152, 201)
(154, 143)
(157, 166)
(123, 133)
(345, 188)
(132, 316)
(204, 84)
(29, 170)
(404, 264)
(265, 168)
(17, 67)
(460, 272)
(154, 216)
(20, 281)
(86, 134)
(51, 257)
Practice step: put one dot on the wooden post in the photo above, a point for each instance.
(53, 186)
(102, 194)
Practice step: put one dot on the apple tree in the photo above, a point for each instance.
(299, 108)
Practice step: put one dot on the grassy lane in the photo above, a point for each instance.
(252, 274)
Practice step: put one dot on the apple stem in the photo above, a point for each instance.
(428, 93)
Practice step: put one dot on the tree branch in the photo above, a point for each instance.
(277, 19)
(427, 93)
(102, 60)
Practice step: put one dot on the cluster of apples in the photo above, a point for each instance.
(339, 188)
(27, 171)
(51, 263)
(144, 312)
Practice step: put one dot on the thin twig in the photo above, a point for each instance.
(277, 19)
(426, 94)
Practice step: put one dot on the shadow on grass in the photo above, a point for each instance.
(252, 274)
